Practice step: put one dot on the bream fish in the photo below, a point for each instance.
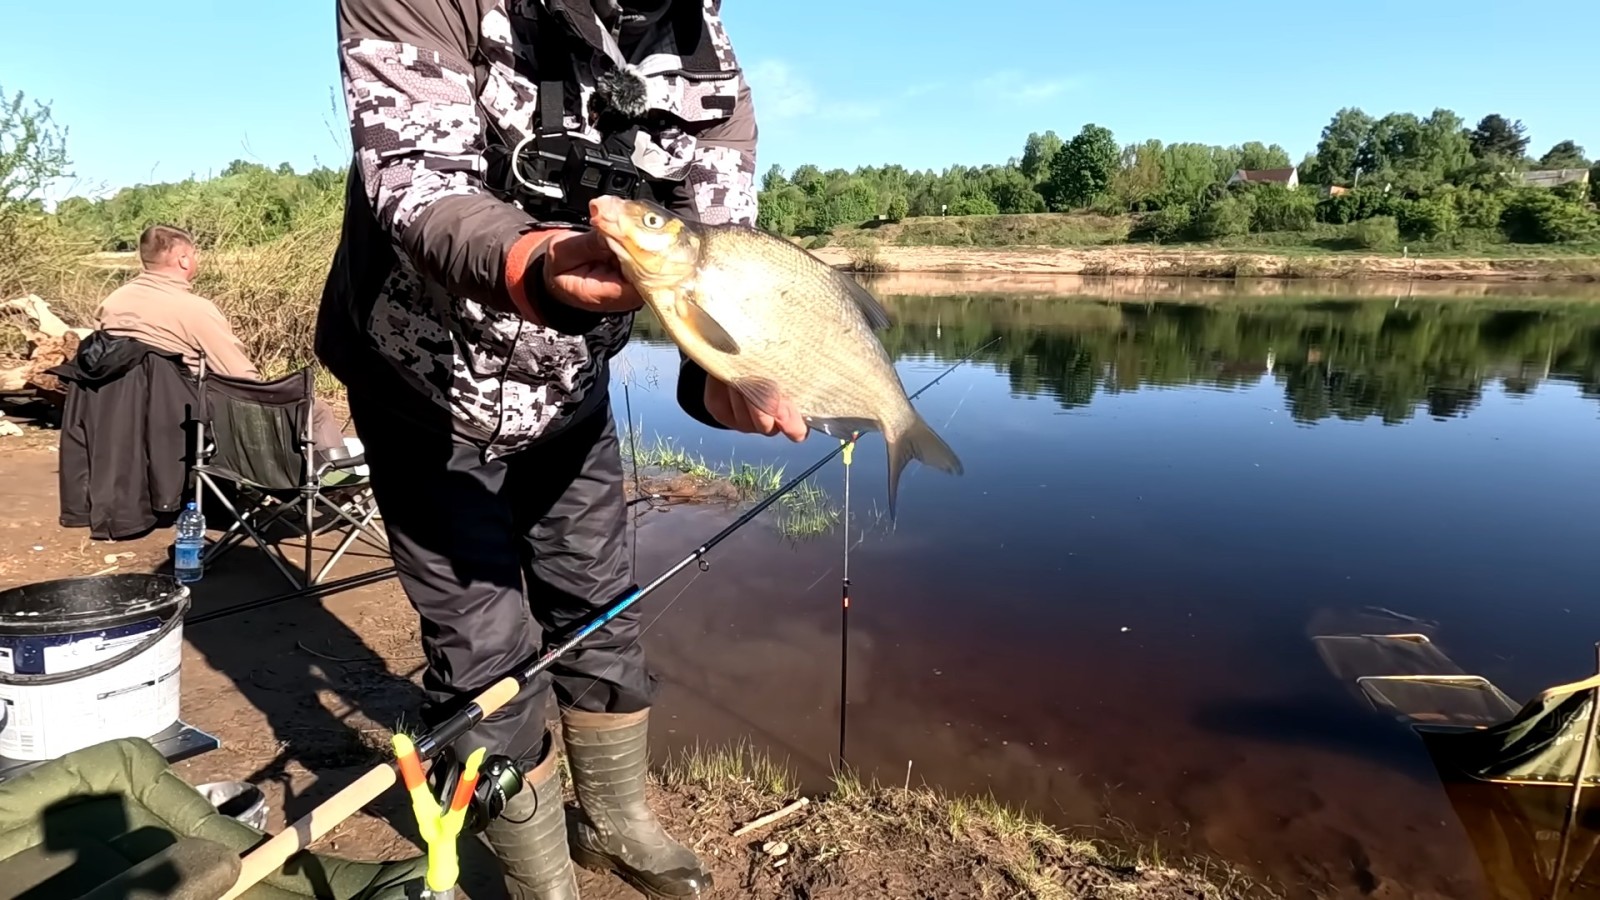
(769, 319)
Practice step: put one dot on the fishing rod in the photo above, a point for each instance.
(271, 855)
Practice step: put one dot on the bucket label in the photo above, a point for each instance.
(52, 654)
(138, 698)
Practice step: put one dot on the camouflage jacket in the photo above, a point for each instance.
(417, 288)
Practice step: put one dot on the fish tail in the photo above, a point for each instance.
(917, 441)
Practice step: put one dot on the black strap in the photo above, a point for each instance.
(552, 107)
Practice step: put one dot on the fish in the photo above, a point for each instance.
(771, 320)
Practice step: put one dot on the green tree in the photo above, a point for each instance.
(1256, 155)
(33, 150)
(898, 207)
(1139, 182)
(1187, 169)
(781, 210)
(1081, 171)
(1341, 143)
(774, 178)
(1012, 192)
(1037, 152)
(1564, 155)
(1497, 138)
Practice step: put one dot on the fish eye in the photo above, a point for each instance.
(653, 220)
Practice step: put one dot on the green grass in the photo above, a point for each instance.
(805, 512)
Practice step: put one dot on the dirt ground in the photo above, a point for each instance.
(1148, 260)
(303, 697)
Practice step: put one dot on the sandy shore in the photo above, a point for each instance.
(1150, 260)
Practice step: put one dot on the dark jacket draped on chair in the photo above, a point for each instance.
(124, 436)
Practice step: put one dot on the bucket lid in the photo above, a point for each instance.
(89, 600)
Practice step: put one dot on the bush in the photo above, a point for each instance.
(1376, 233)
(1426, 218)
(899, 207)
(1479, 209)
(1170, 224)
(1538, 216)
(974, 205)
(1353, 206)
(1279, 209)
(1225, 218)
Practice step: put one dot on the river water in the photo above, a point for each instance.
(1169, 488)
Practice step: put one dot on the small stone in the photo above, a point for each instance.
(775, 848)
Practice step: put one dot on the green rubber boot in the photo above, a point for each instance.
(616, 831)
(530, 840)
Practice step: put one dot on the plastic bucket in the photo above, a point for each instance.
(88, 660)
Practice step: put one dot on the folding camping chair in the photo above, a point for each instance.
(255, 436)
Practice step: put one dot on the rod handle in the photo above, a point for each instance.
(269, 857)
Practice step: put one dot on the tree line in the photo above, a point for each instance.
(1400, 176)
(1371, 182)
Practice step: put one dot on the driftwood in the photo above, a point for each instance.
(771, 817)
(44, 319)
(51, 342)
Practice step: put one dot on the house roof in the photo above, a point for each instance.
(1267, 174)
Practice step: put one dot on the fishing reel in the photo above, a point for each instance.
(499, 780)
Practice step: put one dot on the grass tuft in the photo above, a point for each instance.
(805, 512)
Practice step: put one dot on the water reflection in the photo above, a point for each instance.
(1105, 619)
(1344, 358)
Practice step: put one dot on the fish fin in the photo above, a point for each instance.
(842, 427)
(918, 442)
(877, 316)
(762, 393)
(706, 328)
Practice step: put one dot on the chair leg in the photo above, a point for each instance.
(361, 529)
(267, 548)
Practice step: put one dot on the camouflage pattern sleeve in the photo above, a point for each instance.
(415, 128)
(721, 180)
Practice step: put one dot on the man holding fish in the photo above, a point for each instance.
(472, 313)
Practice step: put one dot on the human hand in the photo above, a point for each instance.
(730, 407)
(580, 270)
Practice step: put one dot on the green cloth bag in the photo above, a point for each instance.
(116, 810)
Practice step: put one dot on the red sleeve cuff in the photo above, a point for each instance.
(522, 252)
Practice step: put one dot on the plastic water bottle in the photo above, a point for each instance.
(186, 549)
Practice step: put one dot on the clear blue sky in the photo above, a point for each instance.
(157, 92)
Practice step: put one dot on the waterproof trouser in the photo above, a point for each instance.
(465, 533)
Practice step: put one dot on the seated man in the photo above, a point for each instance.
(158, 308)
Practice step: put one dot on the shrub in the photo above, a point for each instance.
(974, 205)
(1427, 218)
(1225, 218)
(899, 207)
(1279, 209)
(1376, 233)
(1164, 225)
(1538, 216)
(1353, 206)
(1479, 209)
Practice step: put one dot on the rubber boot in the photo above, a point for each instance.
(616, 831)
(529, 837)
